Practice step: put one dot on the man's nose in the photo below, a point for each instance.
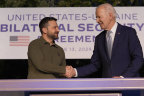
(58, 29)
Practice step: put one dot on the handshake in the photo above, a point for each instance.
(70, 72)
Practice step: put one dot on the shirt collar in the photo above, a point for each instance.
(114, 27)
(45, 42)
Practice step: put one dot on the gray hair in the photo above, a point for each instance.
(109, 8)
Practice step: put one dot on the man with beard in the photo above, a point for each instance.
(45, 58)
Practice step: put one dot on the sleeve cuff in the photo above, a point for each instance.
(121, 77)
(76, 72)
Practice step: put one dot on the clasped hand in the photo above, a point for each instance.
(70, 72)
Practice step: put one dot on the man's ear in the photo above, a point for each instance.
(111, 15)
(44, 30)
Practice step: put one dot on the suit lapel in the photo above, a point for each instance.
(104, 42)
(117, 37)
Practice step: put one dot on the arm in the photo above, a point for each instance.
(136, 55)
(93, 66)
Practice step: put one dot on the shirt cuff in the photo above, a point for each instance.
(76, 74)
(121, 77)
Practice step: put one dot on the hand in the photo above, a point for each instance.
(70, 72)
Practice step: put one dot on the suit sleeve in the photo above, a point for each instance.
(135, 53)
(36, 57)
(94, 64)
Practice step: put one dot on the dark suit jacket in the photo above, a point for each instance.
(127, 56)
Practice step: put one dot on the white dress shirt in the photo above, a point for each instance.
(113, 32)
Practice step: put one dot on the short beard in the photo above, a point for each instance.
(53, 37)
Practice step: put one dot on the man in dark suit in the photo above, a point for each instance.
(117, 49)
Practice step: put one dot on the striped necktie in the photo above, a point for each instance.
(109, 43)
